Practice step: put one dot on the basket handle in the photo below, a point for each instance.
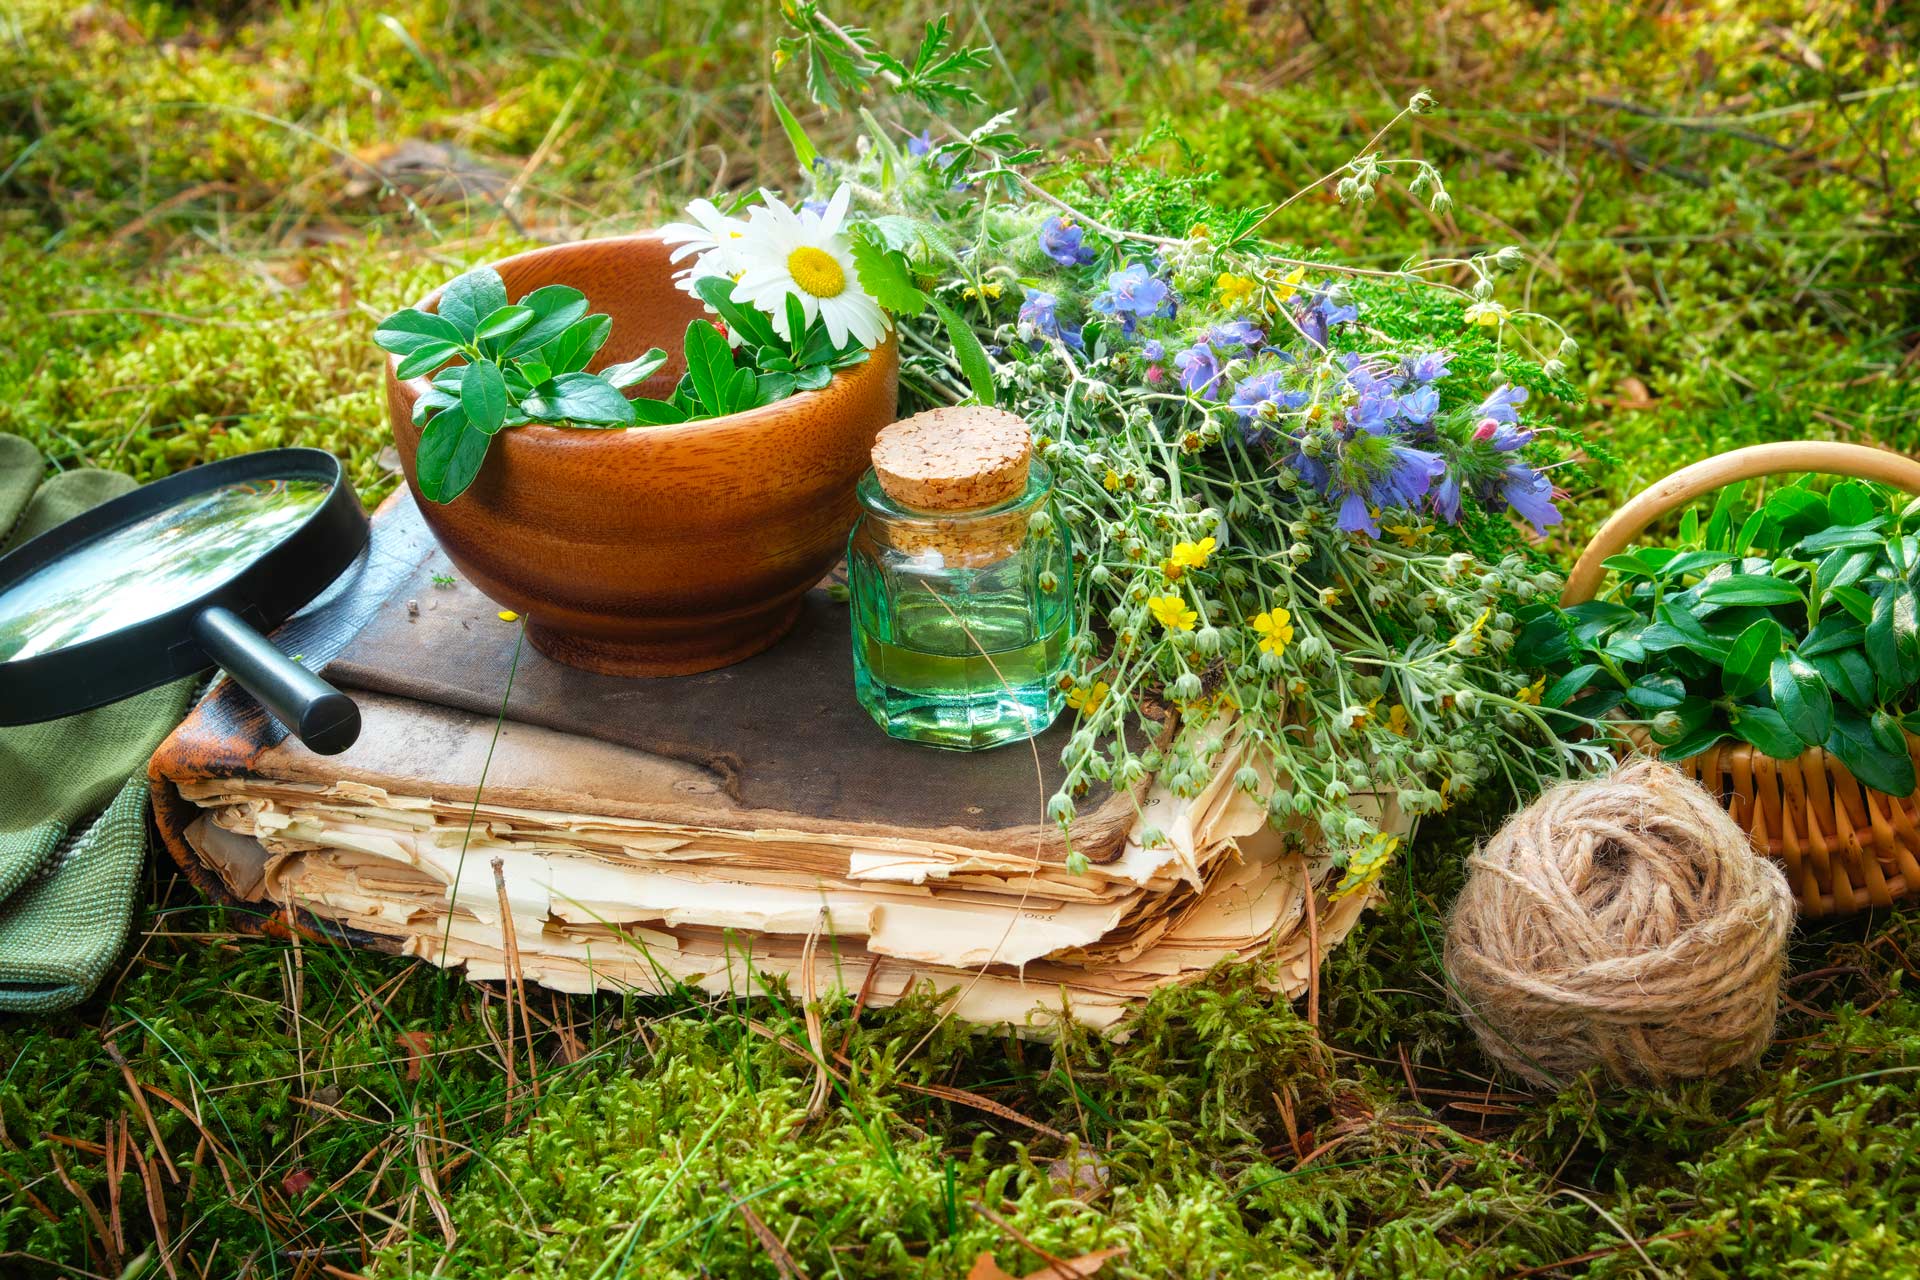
(1828, 457)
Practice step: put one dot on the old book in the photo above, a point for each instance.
(718, 830)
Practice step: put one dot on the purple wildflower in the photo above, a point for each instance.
(1354, 516)
(1311, 326)
(920, 143)
(817, 208)
(1365, 381)
(1335, 312)
(1373, 414)
(1530, 494)
(1317, 312)
(1410, 476)
(1502, 436)
(1063, 242)
(1199, 368)
(1041, 310)
(1426, 367)
(1446, 498)
(1154, 350)
(1500, 405)
(1311, 470)
(1134, 294)
(1235, 333)
(1254, 394)
(1419, 405)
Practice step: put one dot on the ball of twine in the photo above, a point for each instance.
(1623, 921)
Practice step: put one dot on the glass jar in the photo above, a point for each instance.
(961, 618)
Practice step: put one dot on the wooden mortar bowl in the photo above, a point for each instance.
(655, 551)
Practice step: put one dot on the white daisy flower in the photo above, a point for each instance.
(713, 236)
(803, 255)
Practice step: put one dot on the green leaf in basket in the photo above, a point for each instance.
(1851, 503)
(1832, 634)
(1656, 693)
(1592, 706)
(1679, 615)
(1848, 674)
(1801, 696)
(1543, 635)
(1854, 601)
(1893, 640)
(1643, 563)
(1874, 751)
(1692, 714)
(1846, 566)
(1710, 731)
(1865, 534)
(1751, 588)
(1595, 618)
(1561, 691)
(1691, 562)
(1751, 657)
(1765, 728)
(1623, 645)
(1797, 511)
(1720, 523)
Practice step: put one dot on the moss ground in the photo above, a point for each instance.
(1722, 197)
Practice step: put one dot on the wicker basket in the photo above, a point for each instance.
(1845, 846)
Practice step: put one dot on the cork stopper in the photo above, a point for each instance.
(962, 458)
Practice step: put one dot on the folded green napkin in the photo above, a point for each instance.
(73, 792)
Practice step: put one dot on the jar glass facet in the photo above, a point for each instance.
(961, 619)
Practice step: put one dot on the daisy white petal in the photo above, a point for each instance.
(836, 212)
(784, 256)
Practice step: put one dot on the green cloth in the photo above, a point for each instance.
(73, 792)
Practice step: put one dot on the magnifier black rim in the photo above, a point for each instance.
(152, 652)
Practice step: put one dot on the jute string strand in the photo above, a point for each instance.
(1624, 922)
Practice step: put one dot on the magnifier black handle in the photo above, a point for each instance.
(323, 717)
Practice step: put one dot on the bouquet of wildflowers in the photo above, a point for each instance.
(1299, 493)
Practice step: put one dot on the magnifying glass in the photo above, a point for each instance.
(181, 575)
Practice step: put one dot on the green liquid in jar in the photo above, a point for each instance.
(962, 680)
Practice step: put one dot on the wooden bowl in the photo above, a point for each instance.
(655, 551)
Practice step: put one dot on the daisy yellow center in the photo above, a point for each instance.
(815, 271)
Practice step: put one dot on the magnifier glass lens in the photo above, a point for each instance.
(147, 568)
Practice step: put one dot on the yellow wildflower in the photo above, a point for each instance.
(1468, 641)
(992, 289)
(1329, 597)
(1289, 284)
(1087, 700)
(1193, 555)
(1112, 481)
(1172, 613)
(1488, 313)
(1398, 721)
(1235, 290)
(1531, 694)
(1366, 864)
(1446, 798)
(508, 615)
(1200, 231)
(1275, 628)
(1408, 534)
